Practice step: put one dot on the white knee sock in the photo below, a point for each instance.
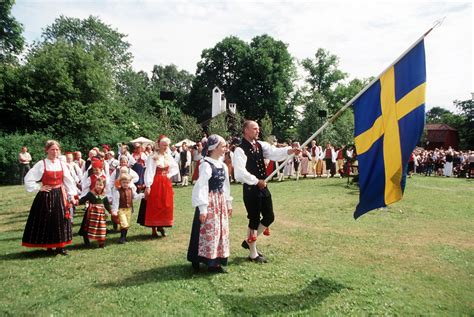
(253, 250)
(260, 229)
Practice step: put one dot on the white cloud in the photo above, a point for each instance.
(367, 36)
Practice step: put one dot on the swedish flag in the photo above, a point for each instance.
(389, 119)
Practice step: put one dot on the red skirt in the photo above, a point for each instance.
(270, 168)
(159, 205)
(196, 171)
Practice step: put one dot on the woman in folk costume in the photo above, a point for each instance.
(197, 157)
(319, 161)
(156, 210)
(49, 224)
(305, 160)
(139, 167)
(76, 174)
(175, 179)
(94, 223)
(296, 161)
(209, 241)
(79, 161)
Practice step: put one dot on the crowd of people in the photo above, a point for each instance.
(440, 162)
(108, 184)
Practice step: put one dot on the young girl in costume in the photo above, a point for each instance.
(94, 223)
(209, 243)
(122, 205)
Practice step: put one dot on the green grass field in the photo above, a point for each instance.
(414, 258)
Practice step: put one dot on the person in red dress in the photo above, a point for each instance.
(49, 224)
(156, 209)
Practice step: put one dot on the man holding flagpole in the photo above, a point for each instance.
(249, 169)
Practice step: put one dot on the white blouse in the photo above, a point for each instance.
(200, 196)
(163, 161)
(240, 160)
(34, 175)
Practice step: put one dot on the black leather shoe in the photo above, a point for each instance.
(216, 269)
(162, 231)
(61, 251)
(195, 266)
(245, 245)
(258, 259)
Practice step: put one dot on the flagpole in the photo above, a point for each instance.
(349, 103)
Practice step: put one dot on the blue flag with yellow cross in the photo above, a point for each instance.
(388, 122)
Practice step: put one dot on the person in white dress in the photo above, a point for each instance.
(209, 242)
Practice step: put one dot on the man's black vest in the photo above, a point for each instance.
(183, 157)
(255, 164)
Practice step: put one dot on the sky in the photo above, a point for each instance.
(367, 36)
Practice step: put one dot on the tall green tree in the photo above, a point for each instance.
(256, 76)
(11, 38)
(222, 66)
(105, 43)
(466, 128)
(435, 115)
(266, 127)
(61, 90)
(218, 125)
(170, 78)
(324, 73)
(326, 91)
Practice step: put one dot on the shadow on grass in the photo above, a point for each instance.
(309, 297)
(159, 274)
(10, 222)
(10, 238)
(27, 255)
(142, 237)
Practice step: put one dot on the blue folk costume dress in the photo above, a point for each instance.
(209, 243)
(139, 168)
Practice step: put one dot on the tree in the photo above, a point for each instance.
(257, 77)
(311, 120)
(435, 115)
(64, 91)
(235, 122)
(222, 66)
(326, 91)
(11, 39)
(106, 44)
(170, 78)
(218, 125)
(188, 128)
(266, 127)
(323, 72)
(466, 128)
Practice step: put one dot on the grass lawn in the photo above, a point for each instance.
(414, 258)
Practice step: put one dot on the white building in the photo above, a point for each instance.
(219, 103)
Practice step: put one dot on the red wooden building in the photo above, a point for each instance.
(441, 136)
